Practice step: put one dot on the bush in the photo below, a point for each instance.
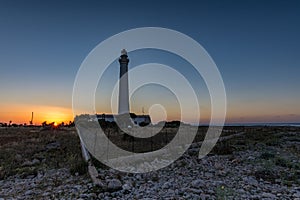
(80, 168)
(267, 155)
(78, 165)
(283, 162)
(223, 148)
(266, 174)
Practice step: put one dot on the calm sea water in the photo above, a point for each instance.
(258, 124)
(263, 124)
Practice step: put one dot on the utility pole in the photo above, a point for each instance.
(31, 121)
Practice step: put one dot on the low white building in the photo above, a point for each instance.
(137, 119)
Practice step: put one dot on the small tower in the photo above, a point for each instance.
(123, 84)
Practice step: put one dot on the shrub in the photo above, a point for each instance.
(283, 162)
(223, 148)
(77, 165)
(224, 193)
(267, 155)
(266, 174)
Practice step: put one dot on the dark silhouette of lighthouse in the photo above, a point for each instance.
(123, 84)
(124, 118)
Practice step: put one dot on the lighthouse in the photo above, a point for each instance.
(123, 84)
(124, 118)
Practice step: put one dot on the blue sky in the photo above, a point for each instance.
(255, 45)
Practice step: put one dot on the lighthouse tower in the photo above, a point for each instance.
(123, 84)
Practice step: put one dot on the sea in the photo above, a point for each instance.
(258, 124)
(263, 124)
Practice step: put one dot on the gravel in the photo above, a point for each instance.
(235, 176)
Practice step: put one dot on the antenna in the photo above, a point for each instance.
(31, 121)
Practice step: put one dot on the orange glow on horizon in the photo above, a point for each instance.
(21, 114)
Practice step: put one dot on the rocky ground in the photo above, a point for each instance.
(263, 163)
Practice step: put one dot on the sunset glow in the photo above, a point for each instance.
(20, 114)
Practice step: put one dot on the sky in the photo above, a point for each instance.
(255, 45)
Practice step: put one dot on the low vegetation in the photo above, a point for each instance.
(26, 151)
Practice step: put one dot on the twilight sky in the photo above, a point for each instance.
(255, 44)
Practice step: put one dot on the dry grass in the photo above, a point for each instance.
(24, 144)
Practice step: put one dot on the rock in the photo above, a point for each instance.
(35, 162)
(268, 195)
(126, 187)
(195, 191)
(241, 191)
(101, 196)
(221, 173)
(296, 195)
(219, 166)
(203, 197)
(139, 196)
(52, 145)
(30, 163)
(250, 180)
(187, 178)
(29, 192)
(46, 194)
(83, 196)
(138, 177)
(166, 185)
(92, 195)
(170, 193)
(211, 192)
(251, 158)
(18, 157)
(26, 163)
(208, 175)
(114, 185)
(199, 183)
(193, 152)
(180, 192)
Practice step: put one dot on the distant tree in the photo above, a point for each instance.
(10, 123)
(44, 123)
(14, 125)
(173, 124)
(71, 124)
